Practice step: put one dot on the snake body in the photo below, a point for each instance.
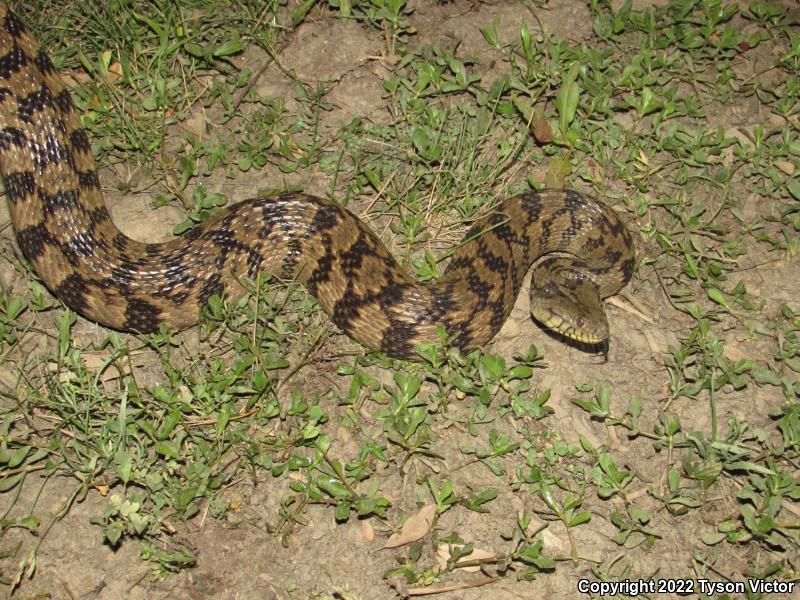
(64, 229)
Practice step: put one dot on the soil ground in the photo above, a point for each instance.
(238, 557)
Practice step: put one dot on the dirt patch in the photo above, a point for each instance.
(240, 557)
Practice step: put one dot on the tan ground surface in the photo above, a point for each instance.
(238, 558)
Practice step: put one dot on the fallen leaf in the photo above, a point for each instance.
(167, 526)
(414, 528)
(115, 71)
(367, 531)
(540, 127)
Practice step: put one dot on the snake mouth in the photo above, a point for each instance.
(577, 328)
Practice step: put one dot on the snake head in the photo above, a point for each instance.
(565, 299)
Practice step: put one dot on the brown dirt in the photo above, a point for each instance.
(238, 558)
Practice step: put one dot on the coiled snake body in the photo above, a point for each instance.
(64, 230)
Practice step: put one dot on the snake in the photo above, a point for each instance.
(579, 249)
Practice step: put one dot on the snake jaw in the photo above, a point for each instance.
(577, 328)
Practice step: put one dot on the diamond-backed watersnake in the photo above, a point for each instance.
(65, 231)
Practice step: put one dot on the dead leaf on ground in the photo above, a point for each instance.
(367, 531)
(414, 528)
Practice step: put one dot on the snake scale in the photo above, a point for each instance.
(64, 229)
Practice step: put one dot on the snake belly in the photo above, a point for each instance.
(64, 229)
